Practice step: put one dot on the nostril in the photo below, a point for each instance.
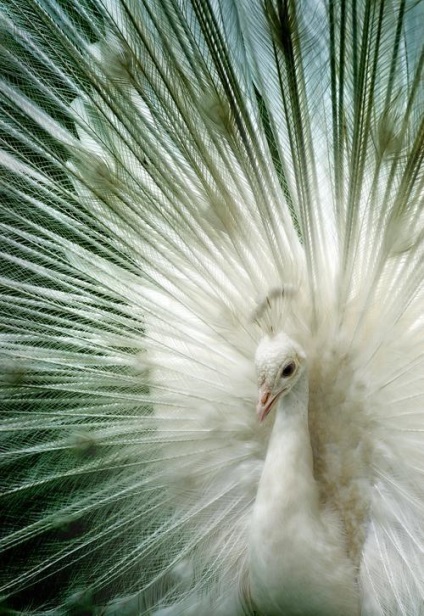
(264, 397)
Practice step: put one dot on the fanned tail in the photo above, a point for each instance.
(177, 179)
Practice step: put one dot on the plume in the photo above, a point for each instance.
(179, 179)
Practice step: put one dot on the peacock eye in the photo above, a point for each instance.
(288, 369)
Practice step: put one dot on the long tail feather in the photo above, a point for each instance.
(177, 179)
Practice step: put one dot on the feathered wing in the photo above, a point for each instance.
(179, 179)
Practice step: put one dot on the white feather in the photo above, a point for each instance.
(179, 181)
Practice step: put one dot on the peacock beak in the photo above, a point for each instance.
(265, 403)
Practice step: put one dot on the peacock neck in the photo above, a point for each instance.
(287, 479)
(287, 487)
(289, 542)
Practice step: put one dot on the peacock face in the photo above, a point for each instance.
(279, 364)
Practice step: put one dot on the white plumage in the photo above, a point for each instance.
(208, 207)
(300, 566)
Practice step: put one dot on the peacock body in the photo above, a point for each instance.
(211, 207)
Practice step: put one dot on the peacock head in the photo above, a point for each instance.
(279, 364)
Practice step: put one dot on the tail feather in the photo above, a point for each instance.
(178, 178)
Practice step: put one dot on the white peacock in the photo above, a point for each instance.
(212, 206)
